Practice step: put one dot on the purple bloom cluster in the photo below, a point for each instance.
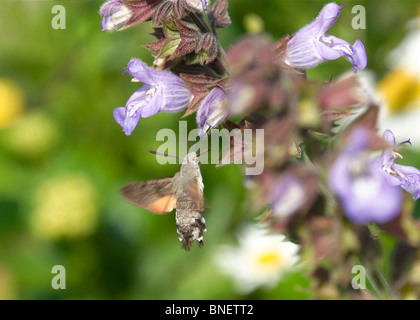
(369, 190)
(280, 123)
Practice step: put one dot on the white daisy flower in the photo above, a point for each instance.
(260, 260)
(400, 88)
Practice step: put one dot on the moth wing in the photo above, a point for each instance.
(163, 205)
(154, 195)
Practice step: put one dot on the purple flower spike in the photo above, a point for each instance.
(115, 14)
(162, 91)
(362, 188)
(211, 111)
(311, 46)
(398, 175)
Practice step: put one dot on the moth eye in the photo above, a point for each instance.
(195, 160)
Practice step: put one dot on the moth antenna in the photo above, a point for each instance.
(163, 154)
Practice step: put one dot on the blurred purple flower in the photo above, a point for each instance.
(162, 91)
(198, 4)
(398, 175)
(287, 196)
(211, 111)
(311, 46)
(361, 186)
(114, 14)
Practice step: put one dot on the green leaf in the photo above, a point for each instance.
(173, 39)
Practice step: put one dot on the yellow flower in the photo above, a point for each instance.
(253, 23)
(400, 89)
(11, 102)
(65, 207)
(31, 136)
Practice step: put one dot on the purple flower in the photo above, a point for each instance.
(115, 14)
(198, 4)
(288, 196)
(361, 186)
(212, 111)
(398, 175)
(311, 45)
(162, 91)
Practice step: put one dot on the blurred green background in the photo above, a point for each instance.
(63, 158)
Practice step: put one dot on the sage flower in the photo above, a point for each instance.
(200, 5)
(162, 91)
(212, 111)
(287, 196)
(361, 186)
(311, 45)
(115, 14)
(399, 175)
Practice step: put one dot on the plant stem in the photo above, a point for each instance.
(201, 24)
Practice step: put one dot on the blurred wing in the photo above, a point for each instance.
(154, 195)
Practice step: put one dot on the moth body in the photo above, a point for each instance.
(188, 190)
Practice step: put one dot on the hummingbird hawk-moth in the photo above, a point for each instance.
(183, 192)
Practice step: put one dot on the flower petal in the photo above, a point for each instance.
(369, 197)
(405, 176)
(331, 48)
(301, 51)
(126, 121)
(119, 115)
(115, 14)
(287, 196)
(325, 20)
(390, 139)
(211, 111)
(260, 260)
(171, 89)
(140, 104)
(360, 184)
(162, 91)
(302, 55)
(147, 100)
(372, 200)
(131, 121)
(140, 71)
(409, 178)
(198, 4)
(176, 96)
(327, 17)
(387, 159)
(359, 58)
(311, 45)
